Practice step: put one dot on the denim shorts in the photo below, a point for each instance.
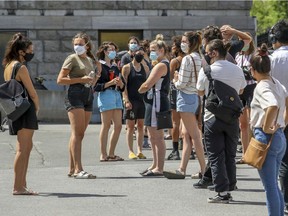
(79, 96)
(187, 102)
(109, 99)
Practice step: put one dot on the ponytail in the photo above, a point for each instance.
(260, 60)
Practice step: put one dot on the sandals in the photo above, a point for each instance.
(197, 176)
(111, 159)
(177, 174)
(26, 191)
(84, 175)
(115, 158)
(150, 173)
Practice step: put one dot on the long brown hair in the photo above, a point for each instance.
(18, 42)
(105, 45)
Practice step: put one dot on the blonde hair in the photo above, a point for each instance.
(160, 43)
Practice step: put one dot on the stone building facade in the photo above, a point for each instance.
(52, 24)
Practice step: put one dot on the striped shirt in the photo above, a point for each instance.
(186, 77)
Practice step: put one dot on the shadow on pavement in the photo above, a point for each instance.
(238, 202)
(76, 195)
(251, 190)
(248, 179)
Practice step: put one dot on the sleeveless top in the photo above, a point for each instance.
(135, 80)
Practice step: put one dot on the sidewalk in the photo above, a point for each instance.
(118, 190)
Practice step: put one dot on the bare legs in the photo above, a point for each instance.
(158, 149)
(108, 117)
(79, 120)
(24, 146)
(140, 134)
(191, 135)
(244, 129)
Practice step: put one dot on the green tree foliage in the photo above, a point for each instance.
(268, 12)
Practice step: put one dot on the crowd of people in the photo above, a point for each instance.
(152, 78)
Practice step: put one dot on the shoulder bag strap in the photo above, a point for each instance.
(196, 77)
(15, 69)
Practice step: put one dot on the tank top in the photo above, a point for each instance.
(135, 80)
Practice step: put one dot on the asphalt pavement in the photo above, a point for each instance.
(118, 189)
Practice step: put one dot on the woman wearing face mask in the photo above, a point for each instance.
(135, 75)
(20, 50)
(79, 98)
(188, 102)
(133, 44)
(175, 64)
(158, 84)
(110, 103)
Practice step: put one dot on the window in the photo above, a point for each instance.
(5, 36)
(120, 38)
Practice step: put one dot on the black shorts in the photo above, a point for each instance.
(173, 99)
(137, 111)
(79, 96)
(28, 121)
(247, 95)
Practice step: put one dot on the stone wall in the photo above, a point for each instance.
(52, 24)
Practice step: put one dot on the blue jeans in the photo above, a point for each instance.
(270, 170)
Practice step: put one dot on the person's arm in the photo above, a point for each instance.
(269, 125)
(286, 112)
(64, 79)
(24, 77)
(182, 78)
(125, 74)
(241, 35)
(157, 72)
(173, 66)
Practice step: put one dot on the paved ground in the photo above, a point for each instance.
(118, 189)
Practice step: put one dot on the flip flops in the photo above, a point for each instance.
(150, 173)
(115, 158)
(25, 192)
(174, 174)
(84, 175)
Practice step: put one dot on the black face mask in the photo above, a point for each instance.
(138, 57)
(207, 58)
(28, 56)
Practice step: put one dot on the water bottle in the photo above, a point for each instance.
(92, 75)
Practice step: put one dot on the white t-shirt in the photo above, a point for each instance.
(279, 65)
(266, 94)
(225, 72)
(186, 78)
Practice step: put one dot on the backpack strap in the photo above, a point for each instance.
(15, 69)
(207, 72)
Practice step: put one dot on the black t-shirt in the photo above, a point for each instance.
(236, 46)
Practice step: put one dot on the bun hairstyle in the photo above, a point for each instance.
(219, 46)
(195, 41)
(260, 60)
(18, 42)
(160, 43)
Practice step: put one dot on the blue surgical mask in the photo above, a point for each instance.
(153, 55)
(133, 47)
(112, 55)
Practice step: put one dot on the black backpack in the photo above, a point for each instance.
(13, 98)
(222, 100)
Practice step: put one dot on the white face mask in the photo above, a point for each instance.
(184, 47)
(79, 50)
